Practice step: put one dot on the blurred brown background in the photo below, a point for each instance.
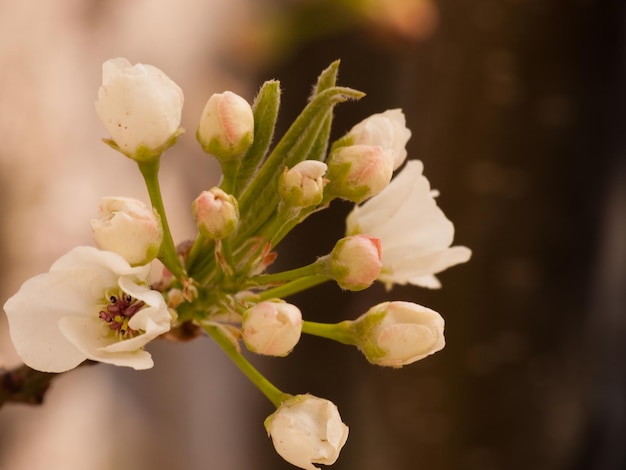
(517, 110)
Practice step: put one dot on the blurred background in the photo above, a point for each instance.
(517, 111)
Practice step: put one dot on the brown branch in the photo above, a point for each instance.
(26, 385)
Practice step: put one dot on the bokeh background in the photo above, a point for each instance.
(517, 111)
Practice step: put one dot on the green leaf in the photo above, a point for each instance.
(261, 197)
(265, 109)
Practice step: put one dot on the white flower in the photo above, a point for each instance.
(226, 127)
(388, 130)
(129, 228)
(272, 328)
(415, 234)
(307, 430)
(395, 334)
(140, 107)
(91, 305)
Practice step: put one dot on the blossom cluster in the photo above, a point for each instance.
(99, 303)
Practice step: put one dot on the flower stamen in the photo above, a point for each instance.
(119, 311)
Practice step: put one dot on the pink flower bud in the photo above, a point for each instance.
(398, 333)
(216, 213)
(226, 127)
(129, 228)
(355, 262)
(303, 185)
(387, 130)
(272, 328)
(358, 172)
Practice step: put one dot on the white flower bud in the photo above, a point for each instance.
(355, 262)
(216, 213)
(387, 130)
(272, 328)
(398, 333)
(306, 430)
(140, 107)
(358, 172)
(303, 185)
(226, 128)
(128, 227)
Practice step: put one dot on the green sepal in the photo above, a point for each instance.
(146, 154)
(363, 328)
(326, 80)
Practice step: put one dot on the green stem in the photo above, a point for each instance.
(341, 332)
(230, 169)
(293, 287)
(197, 248)
(268, 389)
(167, 254)
(286, 276)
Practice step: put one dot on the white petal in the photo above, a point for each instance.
(90, 335)
(33, 314)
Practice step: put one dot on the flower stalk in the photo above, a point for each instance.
(268, 389)
(167, 253)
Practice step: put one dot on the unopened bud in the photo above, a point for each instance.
(303, 185)
(307, 430)
(355, 262)
(272, 328)
(387, 130)
(398, 333)
(358, 172)
(129, 228)
(216, 213)
(140, 107)
(226, 128)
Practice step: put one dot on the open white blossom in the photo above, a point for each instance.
(387, 130)
(140, 107)
(91, 305)
(414, 232)
(306, 430)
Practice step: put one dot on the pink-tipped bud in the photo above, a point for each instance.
(355, 262)
(226, 127)
(358, 172)
(303, 185)
(216, 213)
(398, 333)
(272, 328)
(387, 130)
(129, 228)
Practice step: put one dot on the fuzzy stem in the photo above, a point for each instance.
(268, 389)
(293, 287)
(286, 276)
(341, 332)
(167, 253)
